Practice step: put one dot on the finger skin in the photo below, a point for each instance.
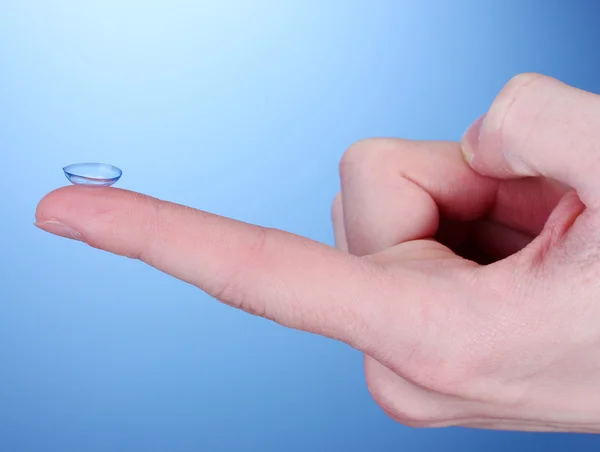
(398, 190)
(538, 126)
(390, 195)
(395, 191)
(294, 281)
(525, 204)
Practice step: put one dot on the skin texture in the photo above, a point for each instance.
(467, 274)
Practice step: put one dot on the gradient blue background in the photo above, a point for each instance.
(242, 108)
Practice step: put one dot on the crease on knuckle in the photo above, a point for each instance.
(229, 287)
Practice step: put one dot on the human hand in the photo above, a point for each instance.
(509, 345)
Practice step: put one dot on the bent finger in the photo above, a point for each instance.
(395, 191)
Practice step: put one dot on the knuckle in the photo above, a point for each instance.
(520, 84)
(362, 156)
(523, 79)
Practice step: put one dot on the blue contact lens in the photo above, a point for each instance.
(93, 174)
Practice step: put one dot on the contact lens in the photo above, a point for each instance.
(93, 174)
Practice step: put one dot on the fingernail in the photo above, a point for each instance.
(58, 228)
(470, 139)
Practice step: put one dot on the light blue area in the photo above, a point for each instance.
(241, 108)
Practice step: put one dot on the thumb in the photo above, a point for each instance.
(538, 126)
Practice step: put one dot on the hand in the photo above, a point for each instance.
(510, 345)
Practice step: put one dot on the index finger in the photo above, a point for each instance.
(294, 281)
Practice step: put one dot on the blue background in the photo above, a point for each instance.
(242, 108)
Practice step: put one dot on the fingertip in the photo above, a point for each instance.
(52, 213)
(81, 208)
(51, 203)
